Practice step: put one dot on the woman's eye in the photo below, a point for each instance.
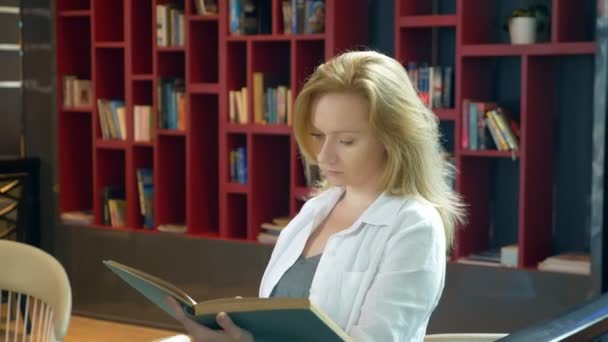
(316, 135)
(346, 142)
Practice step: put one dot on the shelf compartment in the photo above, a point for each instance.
(170, 180)
(76, 162)
(428, 20)
(109, 74)
(236, 217)
(236, 73)
(203, 52)
(109, 172)
(108, 11)
(171, 64)
(143, 93)
(490, 188)
(425, 7)
(142, 36)
(269, 180)
(308, 54)
(420, 45)
(73, 5)
(202, 173)
(74, 49)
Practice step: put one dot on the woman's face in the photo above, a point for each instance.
(348, 153)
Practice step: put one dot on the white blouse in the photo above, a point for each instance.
(381, 278)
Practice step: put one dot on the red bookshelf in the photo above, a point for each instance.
(522, 78)
(114, 44)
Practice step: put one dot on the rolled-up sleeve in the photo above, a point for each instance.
(407, 286)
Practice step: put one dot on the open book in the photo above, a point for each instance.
(268, 319)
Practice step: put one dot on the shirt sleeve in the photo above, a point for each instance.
(407, 286)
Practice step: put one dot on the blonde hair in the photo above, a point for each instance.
(415, 163)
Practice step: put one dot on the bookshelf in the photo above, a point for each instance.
(511, 194)
(113, 43)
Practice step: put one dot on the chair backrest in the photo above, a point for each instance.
(44, 295)
(465, 337)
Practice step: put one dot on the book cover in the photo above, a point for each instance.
(268, 319)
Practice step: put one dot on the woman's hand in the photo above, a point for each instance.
(200, 333)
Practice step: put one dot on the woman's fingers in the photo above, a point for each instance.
(229, 327)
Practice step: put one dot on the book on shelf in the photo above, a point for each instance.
(112, 119)
(270, 231)
(250, 17)
(145, 190)
(76, 92)
(268, 319)
(143, 128)
(271, 99)
(78, 217)
(238, 112)
(206, 7)
(578, 263)
(238, 165)
(113, 202)
(171, 103)
(433, 84)
(172, 228)
(170, 25)
(488, 126)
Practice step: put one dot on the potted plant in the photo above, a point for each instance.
(528, 25)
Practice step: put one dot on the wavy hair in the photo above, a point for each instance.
(415, 163)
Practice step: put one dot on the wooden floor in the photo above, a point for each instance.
(83, 329)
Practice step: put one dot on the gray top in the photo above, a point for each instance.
(296, 281)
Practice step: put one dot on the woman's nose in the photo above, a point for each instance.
(326, 154)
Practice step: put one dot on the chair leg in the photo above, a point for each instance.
(28, 322)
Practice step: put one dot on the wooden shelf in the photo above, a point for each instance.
(179, 48)
(110, 45)
(490, 154)
(271, 129)
(418, 21)
(87, 109)
(547, 49)
(111, 144)
(143, 77)
(236, 188)
(208, 17)
(85, 13)
(171, 132)
(204, 88)
(143, 144)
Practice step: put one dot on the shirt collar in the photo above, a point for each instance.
(381, 212)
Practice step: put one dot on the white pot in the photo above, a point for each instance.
(522, 30)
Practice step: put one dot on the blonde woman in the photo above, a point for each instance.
(370, 248)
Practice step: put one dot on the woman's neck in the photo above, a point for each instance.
(359, 198)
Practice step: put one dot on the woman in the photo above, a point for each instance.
(370, 248)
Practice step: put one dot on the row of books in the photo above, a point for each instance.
(433, 83)
(303, 16)
(250, 17)
(170, 25)
(238, 165)
(206, 7)
(272, 102)
(171, 103)
(144, 123)
(112, 119)
(487, 126)
(269, 231)
(76, 92)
